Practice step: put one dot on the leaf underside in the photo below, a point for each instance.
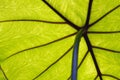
(36, 41)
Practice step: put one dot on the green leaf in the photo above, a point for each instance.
(37, 37)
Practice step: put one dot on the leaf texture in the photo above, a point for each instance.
(37, 36)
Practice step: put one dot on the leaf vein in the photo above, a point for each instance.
(80, 63)
(63, 17)
(103, 32)
(32, 20)
(3, 73)
(106, 49)
(40, 45)
(104, 15)
(53, 63)
(93, 56)
(108, 76)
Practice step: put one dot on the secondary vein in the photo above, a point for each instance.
(32, 20)
(39, 45)
(104, 15)
(63, 17)
(53, 63)
(97, 47)
(103, 32)
(3, 73)
(93, 56)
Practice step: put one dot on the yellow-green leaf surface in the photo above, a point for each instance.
(37, 37)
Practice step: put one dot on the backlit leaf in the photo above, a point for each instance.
(37, 37)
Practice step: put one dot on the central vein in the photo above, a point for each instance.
(77, 41)
(75, 54)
